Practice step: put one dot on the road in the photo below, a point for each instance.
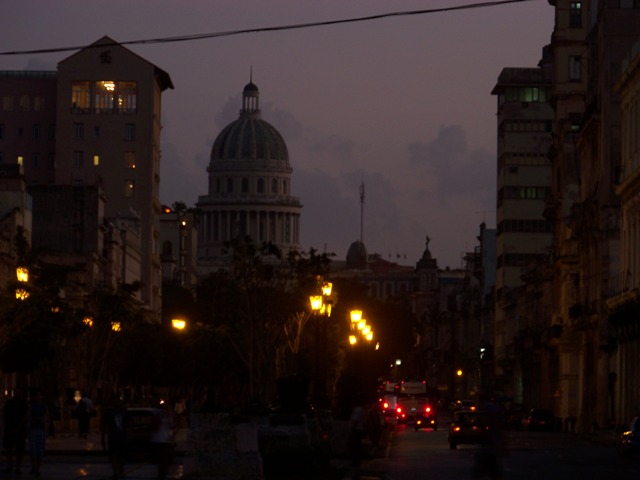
(412, 455)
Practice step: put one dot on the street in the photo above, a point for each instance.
(405, 455)
(550, 456)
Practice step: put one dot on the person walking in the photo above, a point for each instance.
(113, 426)
(84, 412)
(15, 414)
(38, 418)
(356, 431)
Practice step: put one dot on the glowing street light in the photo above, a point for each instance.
(316, 302)
(356, 316)
(178, 323)
(22, 273)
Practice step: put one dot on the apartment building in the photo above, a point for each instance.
(523, 234)
(95, 121)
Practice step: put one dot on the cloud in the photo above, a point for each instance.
(455, 170)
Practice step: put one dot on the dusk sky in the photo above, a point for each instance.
(402, 104)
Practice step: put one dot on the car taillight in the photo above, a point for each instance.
(428, 409)
(456, 429)
(399, 409)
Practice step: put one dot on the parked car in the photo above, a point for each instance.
(540, 420)
(466, 427)
(147, 428)
(426, 418)
(289, 439)
(629, 443)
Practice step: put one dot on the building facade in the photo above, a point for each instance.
(95, 121)
(523, 235)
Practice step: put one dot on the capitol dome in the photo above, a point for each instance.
(249, 191)
(250, 138)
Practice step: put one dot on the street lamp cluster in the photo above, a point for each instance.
(359, 327)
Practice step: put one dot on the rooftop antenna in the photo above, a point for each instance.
(362, 212)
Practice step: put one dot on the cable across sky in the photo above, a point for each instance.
(203, 36)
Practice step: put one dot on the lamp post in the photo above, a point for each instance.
(321, 309)
(22, 274)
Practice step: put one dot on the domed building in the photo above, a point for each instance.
(249, 187)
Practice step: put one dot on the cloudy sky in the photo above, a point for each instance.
(402, 103)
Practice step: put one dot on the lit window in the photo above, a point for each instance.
(130, 159)
(127, 98)
(80, 97)
(129, 188)
(104, 96)
(20, 160)
(575, 14)
(96, 160)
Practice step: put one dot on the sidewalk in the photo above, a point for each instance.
(68, 443)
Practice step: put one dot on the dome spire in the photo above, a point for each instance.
(250, 97)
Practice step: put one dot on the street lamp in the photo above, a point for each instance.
(178, 324)
(22, 274)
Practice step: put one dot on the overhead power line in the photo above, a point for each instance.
(203, 36)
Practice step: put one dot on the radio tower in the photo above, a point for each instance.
(362, 213)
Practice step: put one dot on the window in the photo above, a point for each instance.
(38, 103)
(629, 3)
(130, 131)
(20, 132)
(52, 132)
(245, 185)
(130, 159)
(218, 189)
(104, 96)
(78, 131)
(7, 103)
(261, 185)
(24, 103)
(575, 68)
(80, 97)
(96, 160)
(78, 158)
(127, 99)
(36, 132)
(1, 132)
(96, 131)
(20, 160)
(229, 185)
(129, 188)
(35, 160)
(575, 14)
(274, 186)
